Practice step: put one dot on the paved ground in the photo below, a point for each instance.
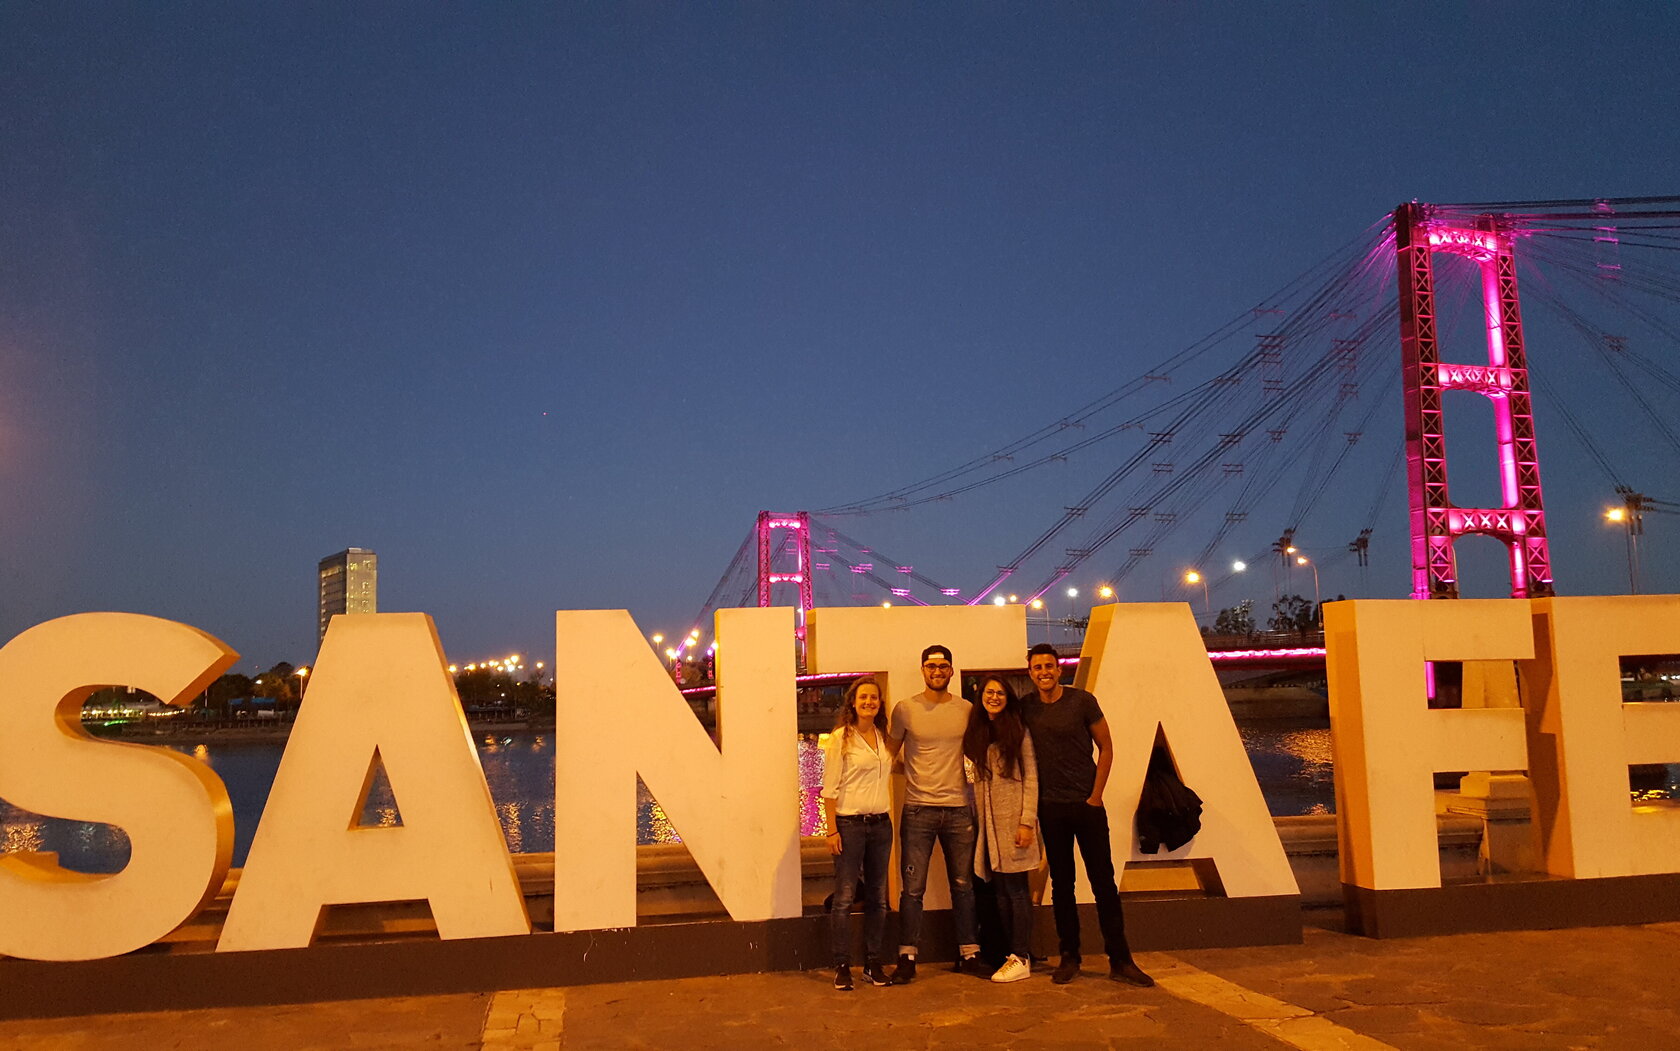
(1612, 987)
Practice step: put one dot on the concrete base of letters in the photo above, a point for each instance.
(1507, 903)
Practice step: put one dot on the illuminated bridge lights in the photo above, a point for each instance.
(1483, 379)
(1480, 245)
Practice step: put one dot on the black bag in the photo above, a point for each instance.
(1169, 814)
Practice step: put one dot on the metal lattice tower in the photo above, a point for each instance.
(779, 537)
(1520, 520)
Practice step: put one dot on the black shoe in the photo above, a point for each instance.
(1067, 970)
(843, 978)
(876, 974)
(905, 972)
(972, 964)
(1131, 974)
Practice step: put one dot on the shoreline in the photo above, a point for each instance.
(275, 731)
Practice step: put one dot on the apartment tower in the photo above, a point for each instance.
(348, 582)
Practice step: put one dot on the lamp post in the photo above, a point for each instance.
(1072, 593)
(1632, 517)
(1193, 578)
(302, 676)
(1302, 560)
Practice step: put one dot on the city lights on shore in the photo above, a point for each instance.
(512, 664)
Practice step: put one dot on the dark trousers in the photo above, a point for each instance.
(866, 851)
(1014, 902)
(1062, 825)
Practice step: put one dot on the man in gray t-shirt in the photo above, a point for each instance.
(928, 730)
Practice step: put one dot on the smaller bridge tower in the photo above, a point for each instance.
(784, 557)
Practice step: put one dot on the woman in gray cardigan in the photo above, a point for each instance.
(999, 755)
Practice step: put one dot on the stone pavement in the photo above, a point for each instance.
(1607, 987)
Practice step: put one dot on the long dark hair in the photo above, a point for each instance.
(1005, 731)
(847, 717)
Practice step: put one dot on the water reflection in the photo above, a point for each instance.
(1292, 760)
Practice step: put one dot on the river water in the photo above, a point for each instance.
(1292, 760)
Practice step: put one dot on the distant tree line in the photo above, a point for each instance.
(1290, 614)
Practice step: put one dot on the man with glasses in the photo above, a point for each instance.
(1066, 723)
(929, 728)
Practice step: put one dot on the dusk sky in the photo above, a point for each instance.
(545, 303)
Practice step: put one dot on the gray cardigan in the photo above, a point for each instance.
(1001, 805)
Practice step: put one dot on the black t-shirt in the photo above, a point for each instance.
(1061, 735)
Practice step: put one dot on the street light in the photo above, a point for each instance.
(1238, 566)
(1630, 515)
(1105, 591)
(1193, 578)
(1301, 560)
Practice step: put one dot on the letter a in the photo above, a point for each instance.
(174, 809)
(380, 685)
(1148, 667)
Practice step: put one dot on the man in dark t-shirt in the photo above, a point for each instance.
(1065, 723)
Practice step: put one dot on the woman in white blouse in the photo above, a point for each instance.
(857, 804)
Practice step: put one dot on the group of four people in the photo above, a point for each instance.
(999, 786)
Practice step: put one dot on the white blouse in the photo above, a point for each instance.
(857, 777)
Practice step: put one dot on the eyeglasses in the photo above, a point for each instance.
(931, 666)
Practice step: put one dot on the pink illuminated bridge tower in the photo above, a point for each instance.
(1520, 520)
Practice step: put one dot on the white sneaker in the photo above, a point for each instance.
(1013, 970)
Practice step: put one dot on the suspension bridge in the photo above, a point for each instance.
(1284, 440)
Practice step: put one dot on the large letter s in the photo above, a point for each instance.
(174, 809)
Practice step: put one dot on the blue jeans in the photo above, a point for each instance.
(953, 827)
(865, 850)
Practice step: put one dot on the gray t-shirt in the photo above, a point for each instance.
(1061, 733)
(932, 732)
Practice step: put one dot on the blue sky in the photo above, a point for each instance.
(545, 303)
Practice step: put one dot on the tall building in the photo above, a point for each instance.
(348, 583)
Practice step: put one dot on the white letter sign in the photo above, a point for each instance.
(1148, 666)
(618, 715)
(381, 686)
(1389, 743)
(174, 809)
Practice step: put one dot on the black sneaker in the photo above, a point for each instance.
(972, 964)
(875, 973)
(905, 972)
(1131, 974)
(1066, 971)
(843, 978)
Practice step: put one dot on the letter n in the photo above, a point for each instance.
(619, 716)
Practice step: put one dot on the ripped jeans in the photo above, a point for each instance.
(918, 828)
